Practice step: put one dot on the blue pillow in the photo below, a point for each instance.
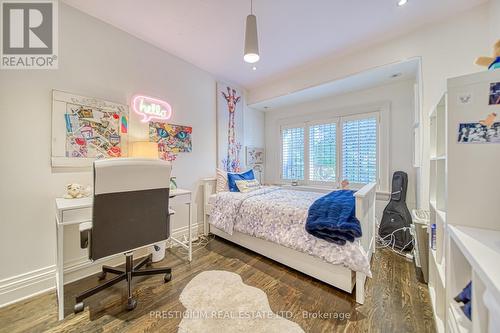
(233, 177)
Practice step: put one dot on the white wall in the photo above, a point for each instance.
(254, 127)
(100, 61)
(494, 21)
(447, 49)
(400, 95)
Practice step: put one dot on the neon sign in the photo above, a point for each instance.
(151, 108)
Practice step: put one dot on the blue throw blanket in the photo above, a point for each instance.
(333, 218)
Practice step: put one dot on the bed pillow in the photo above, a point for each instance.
(247, 185)
(233, 177)
(221, 182)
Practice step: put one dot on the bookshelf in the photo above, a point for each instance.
(464, 204)
(437, 205)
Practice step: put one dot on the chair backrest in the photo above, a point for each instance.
(130, 207)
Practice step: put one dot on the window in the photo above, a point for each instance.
(293, 153)
(325, 152)
(359, 150)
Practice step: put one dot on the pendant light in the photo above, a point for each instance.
(251, 38)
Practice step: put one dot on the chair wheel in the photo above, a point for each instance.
(131, 304)
(167, 277)
(79, 307)
(101, 276)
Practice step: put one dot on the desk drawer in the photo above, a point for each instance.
(77, 215)
(180, 199)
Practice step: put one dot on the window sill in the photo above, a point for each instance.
(381, 195)
(309, 188)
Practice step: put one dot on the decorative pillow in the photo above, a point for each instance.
(233, 177)
(221, 182)
(247, 185)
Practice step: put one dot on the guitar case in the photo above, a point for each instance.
(396, 215)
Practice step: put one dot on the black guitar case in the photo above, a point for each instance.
(396, 215)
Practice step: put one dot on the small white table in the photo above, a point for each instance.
(77, 211)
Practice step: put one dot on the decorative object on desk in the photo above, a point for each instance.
(230, 128)
(475, 133)
(173, 183)
(492, 63)
(495, 93)
(84, 127)
(215, 292)
(77, 191)
(144, 149)
(151, 108)
(171, 139)
(254, 156)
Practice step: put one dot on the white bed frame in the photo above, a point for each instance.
(335, 275)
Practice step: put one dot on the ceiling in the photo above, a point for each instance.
(388, 74)
(292, 33)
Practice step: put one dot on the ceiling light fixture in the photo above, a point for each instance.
(254, 68)
(251, 38)
(401, 3)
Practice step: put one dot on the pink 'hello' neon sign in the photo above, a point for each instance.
(151, 108)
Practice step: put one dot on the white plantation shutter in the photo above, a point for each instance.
(323, 152)
(293, 153)
(359, 150)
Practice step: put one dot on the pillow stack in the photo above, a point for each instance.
(236, 182)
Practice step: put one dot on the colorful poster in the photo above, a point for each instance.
(172, 139)
(229, 128)
(92, 132)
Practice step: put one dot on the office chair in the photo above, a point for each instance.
(130, 211)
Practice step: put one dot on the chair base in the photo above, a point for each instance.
(130, 271)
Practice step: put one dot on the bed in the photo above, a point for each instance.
(285, 240)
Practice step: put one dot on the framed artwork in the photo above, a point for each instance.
(229, 128)
(172, 139)
(477, 133)
(86, 128)
(254, 156)
(495, 93)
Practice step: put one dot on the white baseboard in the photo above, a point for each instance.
(22, 286)
(179, 233)
(26, 285)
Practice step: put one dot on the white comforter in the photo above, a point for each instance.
(279, 216)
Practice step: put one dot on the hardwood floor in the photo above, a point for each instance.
(396, 301)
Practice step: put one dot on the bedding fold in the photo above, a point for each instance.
(333, 218)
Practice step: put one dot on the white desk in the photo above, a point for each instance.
(77, 211)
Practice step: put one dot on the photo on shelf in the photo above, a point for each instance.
(478, 133)
(495, 93)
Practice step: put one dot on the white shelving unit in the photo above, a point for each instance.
(437, 262)
(465, 207)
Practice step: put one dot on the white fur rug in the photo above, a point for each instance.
(219, 301)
